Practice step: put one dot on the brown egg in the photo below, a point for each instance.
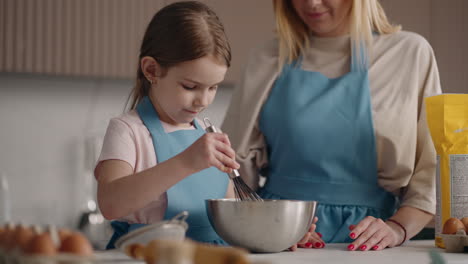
(22, 236)
(136, 251)
(465, 223)
(5, 239)
(63, 233)
(452, 225)
(3, 234)
(41, 244)
(8, 242)
(76, 244)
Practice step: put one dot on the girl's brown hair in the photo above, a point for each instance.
(179, 32)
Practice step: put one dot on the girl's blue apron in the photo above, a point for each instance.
(321, 147)
(188, 194)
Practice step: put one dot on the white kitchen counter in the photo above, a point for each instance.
(412, 252)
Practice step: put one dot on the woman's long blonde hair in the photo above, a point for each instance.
(367, 17)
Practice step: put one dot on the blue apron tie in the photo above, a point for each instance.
(190, 193)
(321, 147)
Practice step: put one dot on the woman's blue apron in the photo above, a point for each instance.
(321, 145)
(190, 193)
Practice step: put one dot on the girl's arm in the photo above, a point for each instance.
(230, 190)
(121, 191)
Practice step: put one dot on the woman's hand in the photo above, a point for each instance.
(311, 239)
(212, 149)
(375, 234)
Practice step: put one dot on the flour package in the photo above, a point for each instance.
(447, 117)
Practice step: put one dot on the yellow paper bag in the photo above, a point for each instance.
(447, 117)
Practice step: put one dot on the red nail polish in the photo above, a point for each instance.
(350, 247)
(375, 247)
(351, 227)
(308, 244)
(323, 245)
(363, 247)
(320, 235)
(318, 244)
(352, 235)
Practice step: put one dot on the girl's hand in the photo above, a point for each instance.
(311, 239)
(212, 149)
(374, 234)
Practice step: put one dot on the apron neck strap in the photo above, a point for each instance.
(150, 117)
(359, 58)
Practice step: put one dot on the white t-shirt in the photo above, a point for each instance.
(402, 72)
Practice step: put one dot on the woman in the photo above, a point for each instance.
(332, 110)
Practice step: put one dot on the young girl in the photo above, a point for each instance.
(156, 160)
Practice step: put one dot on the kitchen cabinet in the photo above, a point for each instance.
(101, 38)
(89, 38)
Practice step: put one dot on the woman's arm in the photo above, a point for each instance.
(412, 219)
(418, 197)
(374, 234)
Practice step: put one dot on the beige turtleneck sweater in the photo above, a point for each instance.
(402, 72)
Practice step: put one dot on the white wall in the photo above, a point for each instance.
(45, 122)
(445, 25)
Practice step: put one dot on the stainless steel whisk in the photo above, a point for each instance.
(241, 189)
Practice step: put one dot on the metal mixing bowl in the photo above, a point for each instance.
(261, 226)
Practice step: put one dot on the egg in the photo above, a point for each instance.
(41, 244)
(136, 251)
(452, 225)
(465, 223)
(76, 244)
(22, 236)
(8, 239)
(3, 236)
(3, 232)
(63, 233)
(6, 236)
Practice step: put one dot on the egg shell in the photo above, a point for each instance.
(3, 234)
(465, 223)
(452, 225)
(136, 251)
(63, 233)
(4, 237)
(41, 244)
(76, 244)
(22, 236)
(8, 242)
